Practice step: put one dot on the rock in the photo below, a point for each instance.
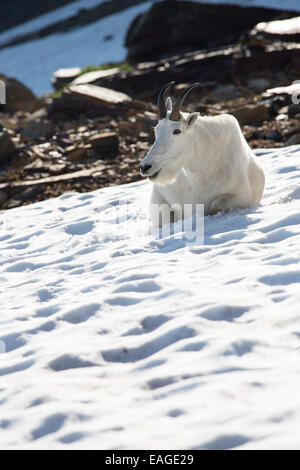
(37, 115)
(18, 96)
(28, 193)
(174, 26)
(64, 76)
(274, 135)
(146, 121)
(251, 114)
(294, 111)
(258, 84)
(281, 117)
(284, 110)
(3, 198)
(91, 100)
(76, 175)
(293, 140)
(223, 93)
(7, 147)
(99, 94)
(75, 154)
(105, 144)
(291, 93)
(211, 67)
(95, 77)
(284, 30)
(12, 203)
(37, 129)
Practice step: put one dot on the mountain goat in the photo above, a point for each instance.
(199, 160)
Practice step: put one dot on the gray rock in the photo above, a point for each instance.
(284, 30)
(293, 140)
(3, 198)
(173, 26)
(290, 93)
(75, 154)
(36, 130)
(223, 93)
(98, 94)
(258, 84)
(274, 135)
(18, 96)
(105, 144)
(7, 147)
(64, 76)
(95, 77)
(251, 114)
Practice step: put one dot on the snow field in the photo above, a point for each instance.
(117, 339)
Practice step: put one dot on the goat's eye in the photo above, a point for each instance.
(177, 131)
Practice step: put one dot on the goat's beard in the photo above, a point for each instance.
(164, 177)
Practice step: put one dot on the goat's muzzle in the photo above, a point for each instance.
(145, 168)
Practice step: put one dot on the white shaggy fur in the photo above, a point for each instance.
(208, 163)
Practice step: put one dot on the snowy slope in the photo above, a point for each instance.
(117, 339)
(280, 4)
(47, 19)
(34, 62)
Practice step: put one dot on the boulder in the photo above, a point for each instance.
(7, 147)
(90, 100)
(293, 140)
(64, 76)
(284, 30)
(174, 26)
(105, 144)
(18, 96)
(95, 77)
(223, 93)
(98, 94)
(258, 84)
(36, 130)
(251, 114)
(290, 94)
(3, 198)
(209, 67)
(75, 154)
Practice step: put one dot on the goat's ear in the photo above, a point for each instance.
(192, 119)
(169, 104)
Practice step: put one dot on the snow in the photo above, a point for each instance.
(47, 19)
(117, 338)
(277, 4)
(34, 62)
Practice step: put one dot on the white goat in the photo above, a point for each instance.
(200, 160)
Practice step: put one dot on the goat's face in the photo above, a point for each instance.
(170, 149)
(172, 141)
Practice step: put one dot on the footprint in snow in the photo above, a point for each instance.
(224, 313)
(81, 314)
(148, 348)
(143, 287)
(69, 361)
(80, 228)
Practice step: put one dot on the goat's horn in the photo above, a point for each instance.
(162, 109)
(175, 114)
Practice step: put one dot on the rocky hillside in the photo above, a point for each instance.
(98, 125)
(82, 17)
(19, 11)
(173, 27)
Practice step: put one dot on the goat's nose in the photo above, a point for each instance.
(144, 168)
